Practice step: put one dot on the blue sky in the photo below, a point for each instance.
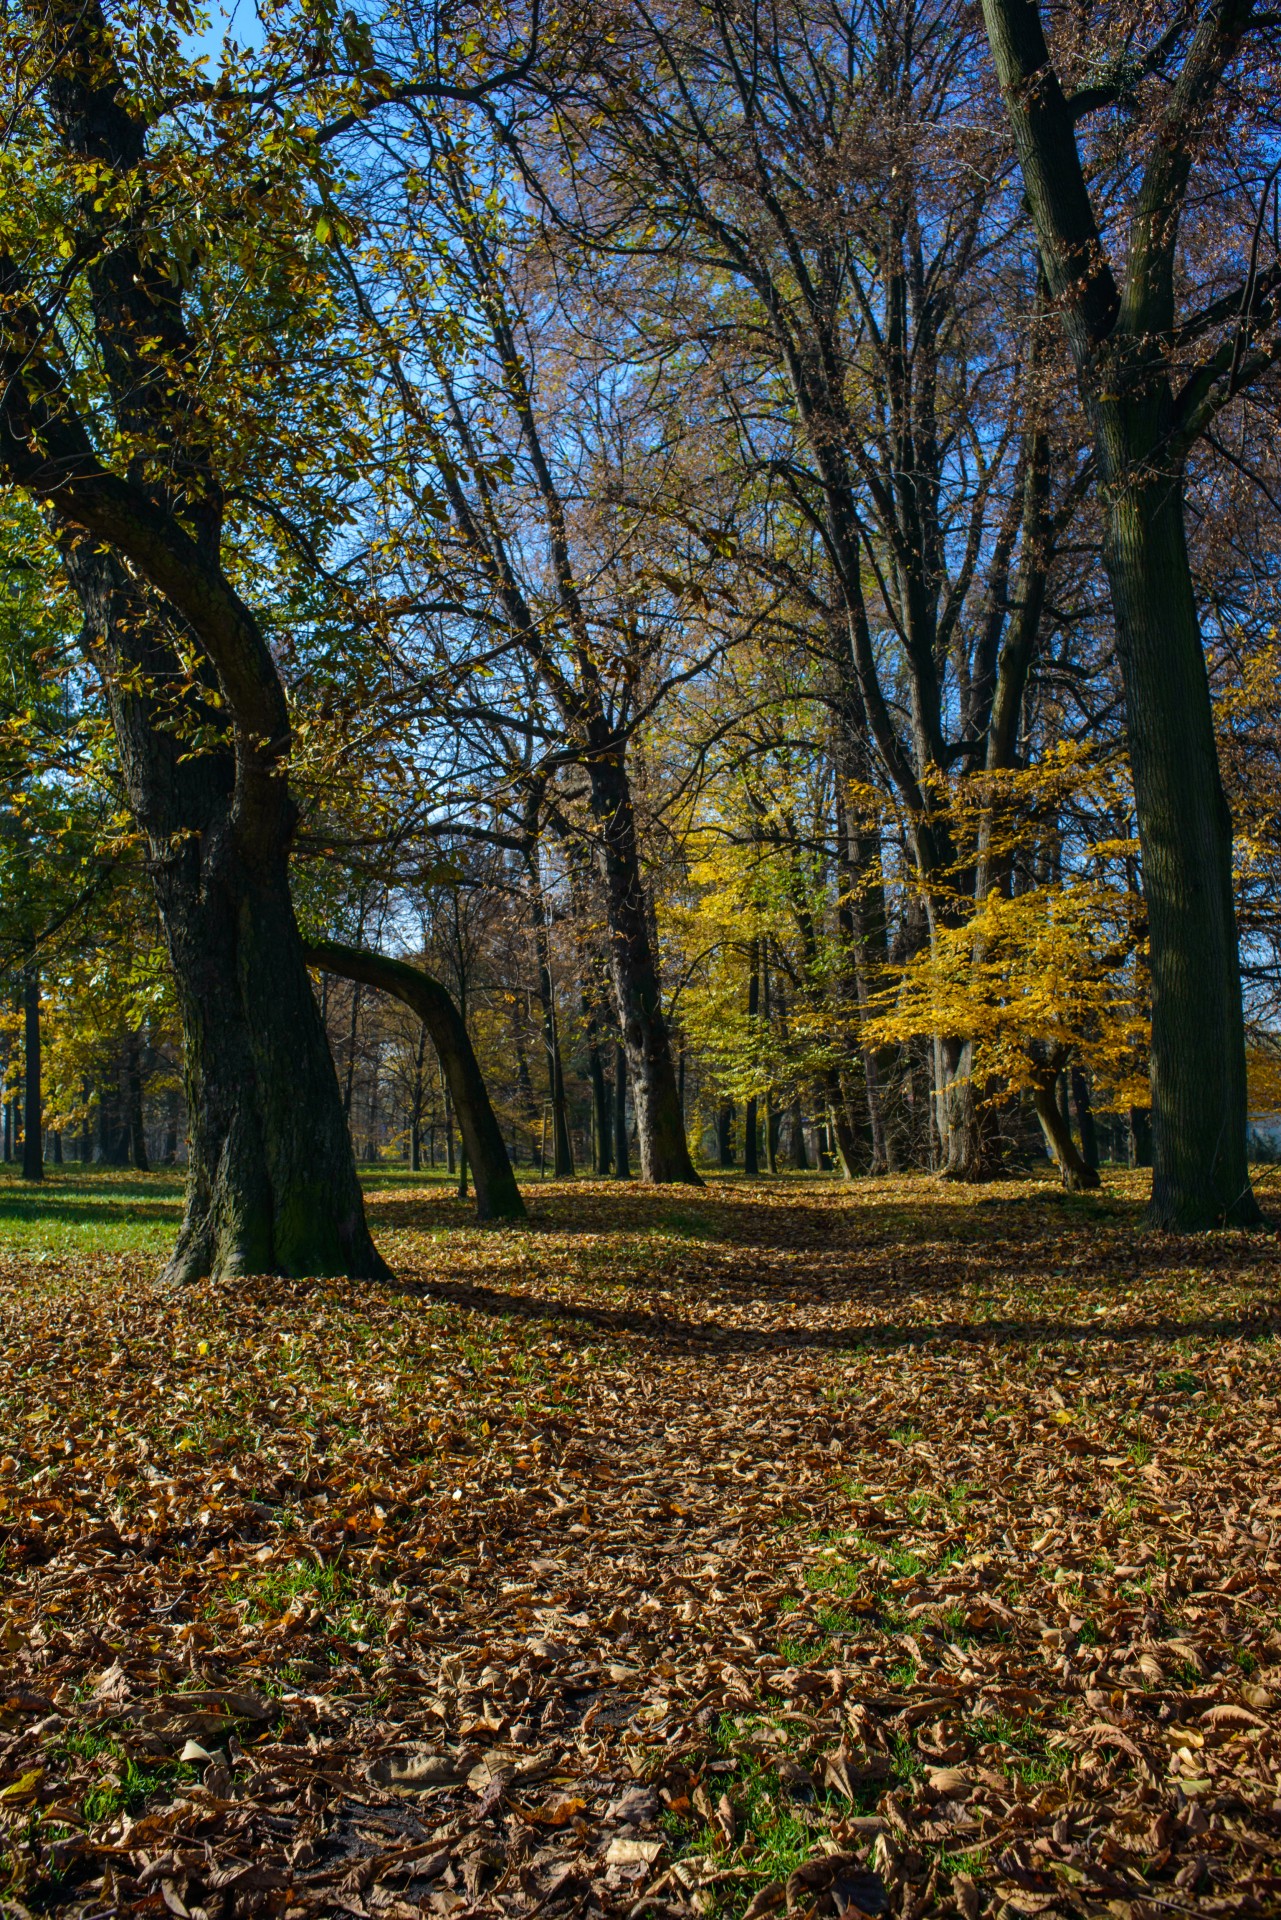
(241, 16)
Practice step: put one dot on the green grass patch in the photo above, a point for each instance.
(1025, 1751)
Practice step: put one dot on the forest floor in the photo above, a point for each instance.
(887, 1550)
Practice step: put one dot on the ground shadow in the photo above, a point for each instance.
(706, 1336)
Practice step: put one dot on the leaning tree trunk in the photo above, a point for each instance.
(272, 1183)
(1075, 1175)
(484, 1149)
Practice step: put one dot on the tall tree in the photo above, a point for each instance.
(519, 549)
(117, 444)
(1160, 349)
(819, 163)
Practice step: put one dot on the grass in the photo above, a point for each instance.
(90, 1211)
(128, 1785)
(1023, 1748)
(772, 1835)
(105, 1210)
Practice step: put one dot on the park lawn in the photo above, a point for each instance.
(892, 1548)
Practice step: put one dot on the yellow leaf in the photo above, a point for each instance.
(23, 1788)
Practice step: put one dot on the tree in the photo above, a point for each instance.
(117, 445)
(835, 245)
(1159, 350)
(497, 1195)
(545, 569)
(1050, 975)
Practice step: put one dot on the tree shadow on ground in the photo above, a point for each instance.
(685, 1336)
(868, 1240)
(101, 1195)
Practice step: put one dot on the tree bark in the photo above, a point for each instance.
(33, 1132)
(622, 1146)
(1140, 1137)
(562, 1145)
(725, 1134)
(800, 1152)
(1118, 326)
(169, 1151)
(271, 1183)
(1075, 1175)
(842, 1135)
(966, 1130)
(485, 1151)
(1201, 1174)
(660, 1123)
(600, 1107)
(751, 1150)
(134, 1117)
(1085, 1119)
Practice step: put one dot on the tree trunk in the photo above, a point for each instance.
(751, 1141)
(660, 1123)
(800, 1153)
(1085, 1119)
(1119, 324)
(1073, 1172)
(600, 1108)
(622, 1150)
(271, 1184)
(271, 1179)
(1139, 1142)
(133, 1104)
(33, 1133)
(55, 1146)
(751, 1155)
(1201, 1174)
(725, 1134)
(484, 1149)
(966, 1129)
(562, 1146)
(841, 1133)
(771, 1134)
(349, 1072)
(169, 1152)
(524, 1083)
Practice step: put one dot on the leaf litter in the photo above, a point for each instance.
(784, 1549)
